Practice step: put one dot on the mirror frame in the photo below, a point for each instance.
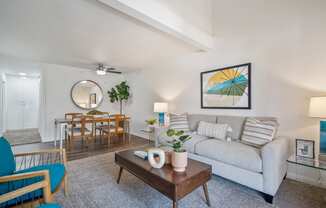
(72, 88)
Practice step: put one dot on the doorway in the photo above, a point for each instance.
(22, 109)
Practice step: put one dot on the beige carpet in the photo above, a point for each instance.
(92, 183)
(24, 136)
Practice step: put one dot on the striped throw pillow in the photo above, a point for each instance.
(214, 130)
(259, 132)
(179, 122)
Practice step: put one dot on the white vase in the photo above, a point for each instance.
(179, 161)
(154, 162)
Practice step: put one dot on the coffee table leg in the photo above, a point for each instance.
(120, 173)
(175, 204)
(206, 194)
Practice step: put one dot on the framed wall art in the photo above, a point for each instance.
(305, 148)
(226, 88)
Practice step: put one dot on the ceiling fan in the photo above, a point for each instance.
(102, 70)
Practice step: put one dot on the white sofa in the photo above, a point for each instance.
(262, 169)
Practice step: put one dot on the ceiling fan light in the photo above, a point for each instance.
(100, 72)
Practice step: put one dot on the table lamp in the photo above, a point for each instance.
(161, 108)
(317, 109)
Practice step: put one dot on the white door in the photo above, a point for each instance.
(22, 99)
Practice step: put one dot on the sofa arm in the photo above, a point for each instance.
(159, 132)
(274, 156)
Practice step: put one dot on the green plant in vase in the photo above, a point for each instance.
(179, 156)
(119, 93)
(151, 121)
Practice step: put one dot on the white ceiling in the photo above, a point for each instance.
(80, 33)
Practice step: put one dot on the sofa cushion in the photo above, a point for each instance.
(232, 153)
(218, 131)
(190, 145)
(179, 122)
(259, 132)
(7, 162)
(194, 120)
(235, 122)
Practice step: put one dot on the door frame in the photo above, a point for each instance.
(4, 100)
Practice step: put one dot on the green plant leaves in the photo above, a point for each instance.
(120, 92)
(178, 139)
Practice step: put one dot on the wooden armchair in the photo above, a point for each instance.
(29, 179)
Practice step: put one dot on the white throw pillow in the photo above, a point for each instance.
(259, 132)
(179, 122)
(215, 130)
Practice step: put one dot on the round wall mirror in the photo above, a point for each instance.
(87, 94)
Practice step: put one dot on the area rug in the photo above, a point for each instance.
(24, 136)
(92, 183)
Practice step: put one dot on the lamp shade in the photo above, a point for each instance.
(317, 108)
(160, 107)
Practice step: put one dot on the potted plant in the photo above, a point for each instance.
(119, 93)
(150, 122)
(179, 157)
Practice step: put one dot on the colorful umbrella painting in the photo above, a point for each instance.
(226, 88)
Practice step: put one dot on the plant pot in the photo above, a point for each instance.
(179, 161)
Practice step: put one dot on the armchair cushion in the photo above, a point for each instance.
(56, 172)
(7, 161)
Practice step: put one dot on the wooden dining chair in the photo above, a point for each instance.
(100, 125)
(117, 128)
(69, 117)
(82, 127)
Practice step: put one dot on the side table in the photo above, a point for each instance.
(318, 165)
(150, 132)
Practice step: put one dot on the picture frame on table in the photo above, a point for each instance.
(305, 148)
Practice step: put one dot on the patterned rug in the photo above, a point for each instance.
(24, 136)
(92, 183)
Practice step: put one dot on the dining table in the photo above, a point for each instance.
(60, 126)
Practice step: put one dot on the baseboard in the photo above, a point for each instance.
(48, 139)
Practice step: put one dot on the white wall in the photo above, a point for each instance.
(197, 12)
(56, 83)
(140, 105)
(284, 41)
(286, 46)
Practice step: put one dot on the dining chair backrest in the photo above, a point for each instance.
(119, 120)
(82, 122)
(71, 115)
(87, 122)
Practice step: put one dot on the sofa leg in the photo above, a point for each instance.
(285, 176)
(268, 198)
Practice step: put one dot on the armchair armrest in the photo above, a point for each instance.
(274, 156)
(44, 184)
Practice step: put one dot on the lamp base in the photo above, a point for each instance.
(161, 119)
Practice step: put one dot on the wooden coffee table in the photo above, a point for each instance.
(172, 184)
